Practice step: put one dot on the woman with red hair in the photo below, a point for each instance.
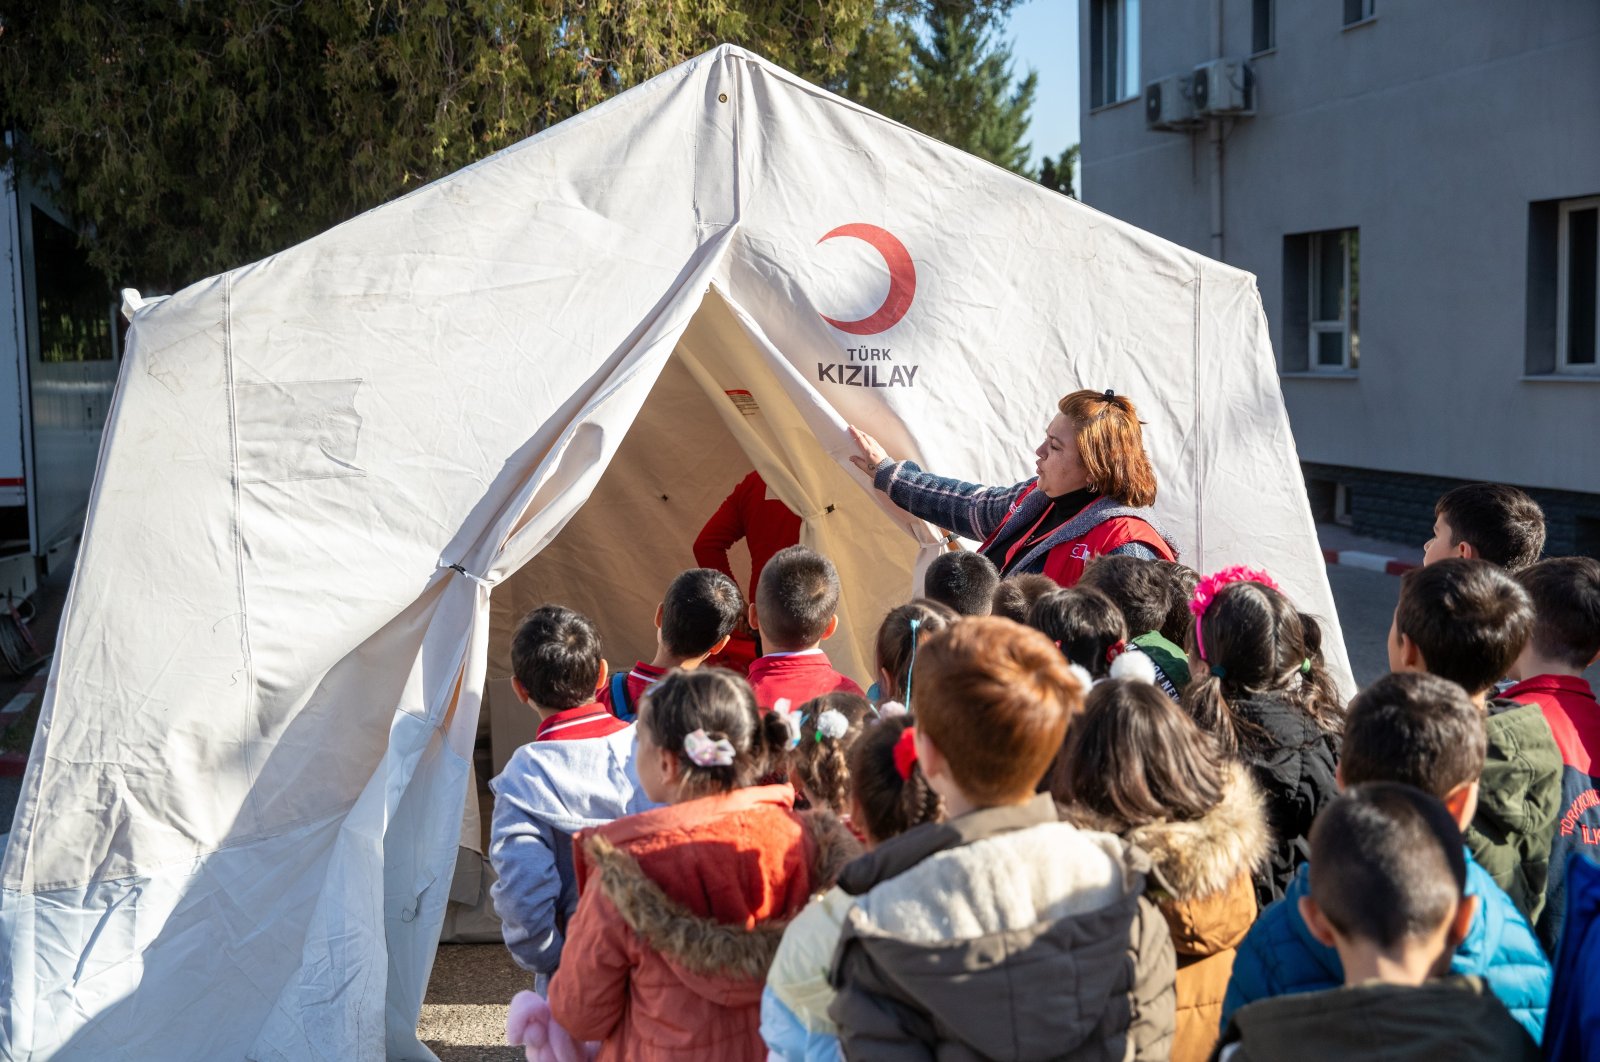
(1091, 495)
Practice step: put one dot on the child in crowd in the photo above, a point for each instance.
(1261, 688)
(963, 580)
(752, 512)
(576, 774)
(1084, 623)
(888, 796)
(1421, 731)
(1468, 621)
(1178, 627)
(682, 906)
(1487, 521)
(693, 622)
(901, 631)
(819, 764)
(1565, 592)
(795, 611)
(1387, 895)
(964, 933)
(1135, 765)
(1015, 595)
(1142, 589)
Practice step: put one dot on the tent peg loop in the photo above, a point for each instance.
(480, 580)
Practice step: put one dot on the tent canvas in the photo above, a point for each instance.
(241, 811)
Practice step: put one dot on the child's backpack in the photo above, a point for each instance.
(621, 706)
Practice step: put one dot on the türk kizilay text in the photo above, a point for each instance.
(869, 374)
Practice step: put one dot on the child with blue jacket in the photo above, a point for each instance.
(577, 773)
(1425, 732)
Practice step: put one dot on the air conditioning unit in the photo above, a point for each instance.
(1223, 87)
(1167, 105)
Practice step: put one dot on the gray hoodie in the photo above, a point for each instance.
(1002, 934)
(549, 791)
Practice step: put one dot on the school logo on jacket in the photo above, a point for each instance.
(875, 366)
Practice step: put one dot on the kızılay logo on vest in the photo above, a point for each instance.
(864, 366)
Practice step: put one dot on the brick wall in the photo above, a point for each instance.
(1398, 507)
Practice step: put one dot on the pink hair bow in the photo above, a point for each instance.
(1208, 588)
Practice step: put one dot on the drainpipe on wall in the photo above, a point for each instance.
(1214, 135)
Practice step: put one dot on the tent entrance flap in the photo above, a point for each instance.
(720, 407)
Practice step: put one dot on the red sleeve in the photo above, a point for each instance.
(590, 991)
(725, 527)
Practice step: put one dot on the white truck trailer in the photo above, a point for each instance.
(59, 351)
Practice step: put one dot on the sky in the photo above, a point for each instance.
(1044, 36)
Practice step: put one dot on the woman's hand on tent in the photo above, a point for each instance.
(872, 453)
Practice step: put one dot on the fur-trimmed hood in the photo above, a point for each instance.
(682, 904)
(1194, 860)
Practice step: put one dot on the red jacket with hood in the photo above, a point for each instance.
(679, 915)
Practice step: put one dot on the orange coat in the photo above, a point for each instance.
(679, 915)
(1202, 884)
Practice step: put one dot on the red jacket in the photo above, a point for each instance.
(766, 525)
(796, 678)
(1065, 562)
(679, 914)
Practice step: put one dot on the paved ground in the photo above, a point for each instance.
(464, 1016)
(1365, 601)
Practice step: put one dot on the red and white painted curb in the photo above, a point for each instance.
(1372, 562)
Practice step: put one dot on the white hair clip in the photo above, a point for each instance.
(703, 752)
(1135, 667)
(792, 718)
(832, 725)
(890, 710)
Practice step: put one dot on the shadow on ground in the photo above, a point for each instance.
(464, 1015)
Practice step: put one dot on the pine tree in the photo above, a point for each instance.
(967, 93)
(1058, 174)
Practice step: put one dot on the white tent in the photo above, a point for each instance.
(535, 378)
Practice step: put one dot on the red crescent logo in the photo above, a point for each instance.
(902, 279)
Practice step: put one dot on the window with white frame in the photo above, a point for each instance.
(1113, 51)
(1333, 267)
(1359, 10)
(1578, 286)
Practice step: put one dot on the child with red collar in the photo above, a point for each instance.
(796, 610)
(1565, 641)
(693, 621)
(577, 773)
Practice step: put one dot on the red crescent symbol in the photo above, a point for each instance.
(902, 279)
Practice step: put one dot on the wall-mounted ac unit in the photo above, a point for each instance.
(1167, 105)
(1223, 87)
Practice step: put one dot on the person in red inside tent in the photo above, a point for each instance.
(767, 525)
(796, 610)
(693, 623)
(1091, 495)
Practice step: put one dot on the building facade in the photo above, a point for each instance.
(1416, 187)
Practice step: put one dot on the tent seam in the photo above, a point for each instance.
(1199, 439)
(237, 534)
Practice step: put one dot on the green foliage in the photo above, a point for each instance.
(1058, 174)
(194, 135)
(966, 94)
